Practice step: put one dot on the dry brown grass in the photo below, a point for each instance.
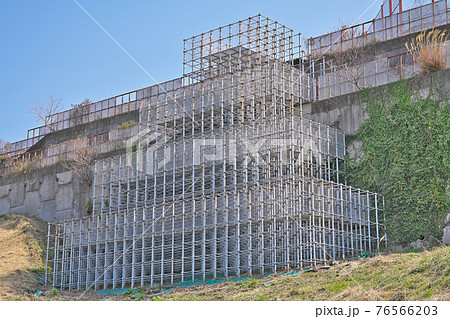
(21, 252)
(428, 50)
(25, 166)
(408, 276)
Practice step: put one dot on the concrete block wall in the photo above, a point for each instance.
(50, 194)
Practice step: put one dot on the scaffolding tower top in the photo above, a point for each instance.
(257, 36)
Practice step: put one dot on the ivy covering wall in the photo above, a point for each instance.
(405, 156)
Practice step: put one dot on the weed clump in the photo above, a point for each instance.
(127, 125)
(428, 50)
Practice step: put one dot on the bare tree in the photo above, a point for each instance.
(350, 64)
(5, 146)
(81, 163)
(43, 112)
(349, 30)
(78, 111)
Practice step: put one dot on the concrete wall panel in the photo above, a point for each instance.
(48, 188)
(4, 205)
(32, 203)
(33, 184)
(17, 194)
(48, 211)
(64, 197)
(64, 178)
(4, 191)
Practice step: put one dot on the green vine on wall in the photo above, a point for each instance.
(405, 156)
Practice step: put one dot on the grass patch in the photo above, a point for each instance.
(262, 298)
(428, 50)
(140, 298)
(336, 287)
(232, 287)
(251, 283)
(129, 292)
(127, 125)
(406, 276)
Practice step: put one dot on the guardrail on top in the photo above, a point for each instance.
(109, 107)
(336, 81)
(100, 143)
(88, 113)
(382, 29)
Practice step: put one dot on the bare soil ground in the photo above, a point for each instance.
(416, 275)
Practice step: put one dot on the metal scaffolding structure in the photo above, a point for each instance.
(224, 178)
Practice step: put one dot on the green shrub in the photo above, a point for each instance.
(251, 283)
(127, 125)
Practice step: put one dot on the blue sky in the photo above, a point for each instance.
(52, 48)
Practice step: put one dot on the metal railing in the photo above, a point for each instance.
(336, 81)
(96, 139)
(401, 60)
(381, 29)
(88, 113)
(99, 143)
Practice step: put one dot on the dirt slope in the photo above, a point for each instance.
(21, 256)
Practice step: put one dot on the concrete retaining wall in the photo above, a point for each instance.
(52, 193)
(347, 112)
(49, 193)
